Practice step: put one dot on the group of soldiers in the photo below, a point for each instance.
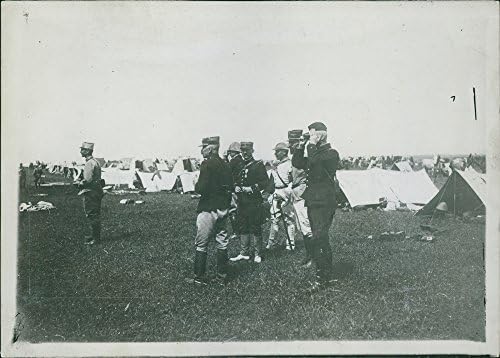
(37, 176)
(235, 190)
(300, 190)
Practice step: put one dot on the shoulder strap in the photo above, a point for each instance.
(329, 176)
(279, 176)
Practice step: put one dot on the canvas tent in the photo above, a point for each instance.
(402, 167)
(126, 164)
(162, 165)
(368, 187)
(183, 165)
(184, 176)
(116, 176)
(158, 181)
(463, 191)
(145, 165)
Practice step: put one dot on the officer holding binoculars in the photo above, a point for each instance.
(319, 195)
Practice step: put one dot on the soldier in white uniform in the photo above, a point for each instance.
(281, 200)
(299, 181)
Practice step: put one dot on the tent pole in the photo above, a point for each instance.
(454, 195)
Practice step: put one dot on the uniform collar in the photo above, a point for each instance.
(286, 159)
(322, 147)
(88, 158)
(248, 160)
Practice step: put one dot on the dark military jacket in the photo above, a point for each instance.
(253, 175)
(236, 163)
(215, 184)
(321, 165)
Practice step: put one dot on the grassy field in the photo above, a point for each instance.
(132, 288)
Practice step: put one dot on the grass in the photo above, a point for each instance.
(132, 288)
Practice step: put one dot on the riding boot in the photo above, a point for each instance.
(315, 250)
(222, 266)
(307, 261)
(96, 231)
(200, 264)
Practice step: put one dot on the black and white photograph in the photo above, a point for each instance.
(249, 178)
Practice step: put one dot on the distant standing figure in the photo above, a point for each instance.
(215, 185)
(37, 175)
(91, 189)
(22, 177)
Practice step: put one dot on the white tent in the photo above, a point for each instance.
(463, 191)
(188, 181)
(162, 166)
(158, 181)
(402, 167)
(368, 187)
(183, 165)
(116, 176)
(362, 187)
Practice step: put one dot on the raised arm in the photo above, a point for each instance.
(298, 159)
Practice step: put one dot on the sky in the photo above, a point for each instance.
(151, 80)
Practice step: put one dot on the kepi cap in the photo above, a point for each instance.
(281, 146)
(210, 141)
(246, 145)
(234, 147)
(319, 126)
(294, 134)
(87, 145)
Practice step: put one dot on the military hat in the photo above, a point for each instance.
(319, 126)
(234, 147)
(294, 134)
(87, 145)
(210, 141)
(246, 145)
(281, 146)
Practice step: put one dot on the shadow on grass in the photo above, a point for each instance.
(122, 236)
(343, 269)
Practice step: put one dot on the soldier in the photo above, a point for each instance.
(319, 196)
(280, 200)
(235, 159)
(252, 180)
(91, 189)
(299, 179)
(37, 175)
(22, 177)
(236, 163)
(215, 185)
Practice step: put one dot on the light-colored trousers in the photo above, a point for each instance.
(302, 218)
(288, 215)
(210, 224)
(246, 240)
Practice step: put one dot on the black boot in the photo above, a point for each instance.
(222, 264)
(307, 261)
(222, 268)
(200, 265)
(95, 238)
